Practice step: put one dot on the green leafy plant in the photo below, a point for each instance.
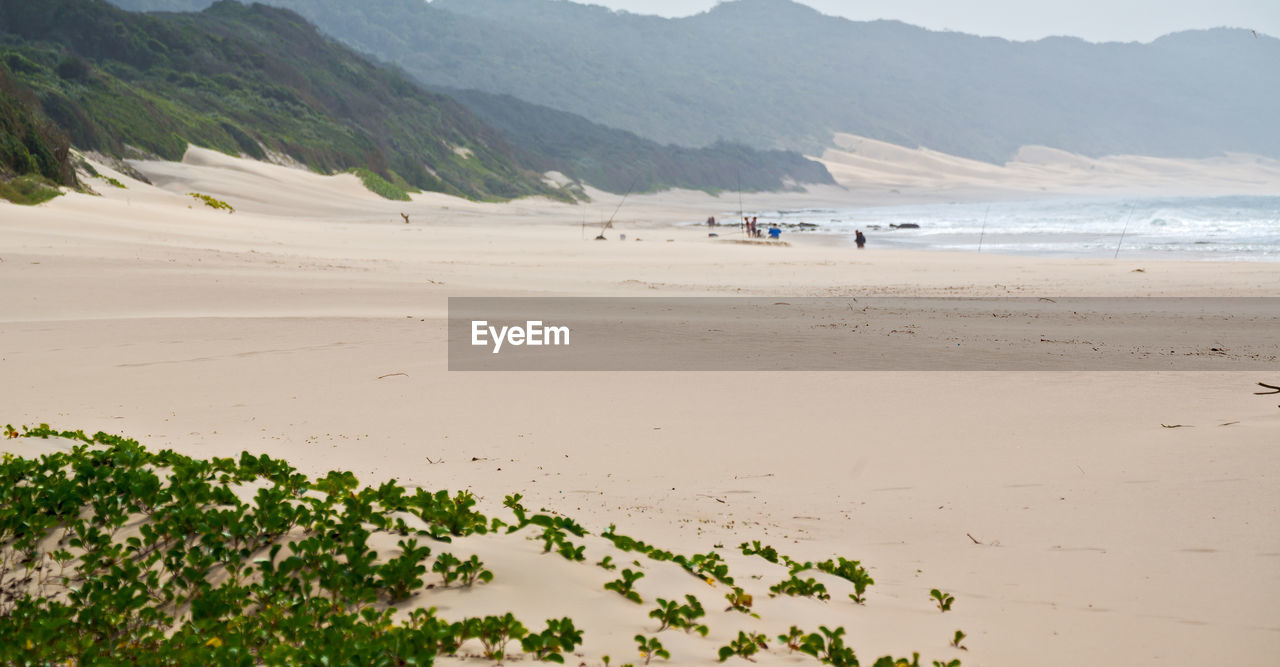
(957, 639)
(549, 645)
(672, 614)
(607, 563)
(402, 575)
(624, 585)
(852, 571)
(939, 663)
(756, 549)
(796, 586)
(793, 640)
(709, 567)
(495, 632)
(215, 204)
(796, 567)
(224, 558)
(943, 600)
(466, 572)
(651, 648)
(745, 646)
(740, 600)
(828, 647)
(890, 661)
(555, 538)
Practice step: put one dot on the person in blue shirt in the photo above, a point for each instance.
(774, 232)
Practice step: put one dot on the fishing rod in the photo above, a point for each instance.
(1126, 230)
(984, 227)
(609, 224)
(740, 211)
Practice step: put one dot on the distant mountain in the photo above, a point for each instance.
(773, 73)
(253, 80)
(619, 161)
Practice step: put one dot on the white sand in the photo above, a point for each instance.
(1106, 539)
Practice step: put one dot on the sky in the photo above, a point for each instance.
(1093, 20)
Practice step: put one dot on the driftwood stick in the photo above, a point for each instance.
(392, 375)
(1274, 389)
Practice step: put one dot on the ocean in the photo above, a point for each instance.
(1237, 228)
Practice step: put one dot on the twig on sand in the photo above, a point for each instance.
(428, 458)
(392, 375)
(1177, 425)
(719, 500)
(1274, 389)
(975, 540)
(1045, 298)
(1229, 423)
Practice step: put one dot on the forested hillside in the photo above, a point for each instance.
(247, 80)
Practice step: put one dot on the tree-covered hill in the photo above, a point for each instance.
(34, 153)
(246, 80)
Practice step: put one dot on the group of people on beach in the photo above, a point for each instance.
(753, 228)
(751, 225)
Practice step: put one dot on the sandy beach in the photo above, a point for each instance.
(1071, 523)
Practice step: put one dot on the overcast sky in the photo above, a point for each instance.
(1094, 20)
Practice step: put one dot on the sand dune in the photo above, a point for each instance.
(1102, 537)
(862, 162)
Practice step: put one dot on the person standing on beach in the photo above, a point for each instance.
(859, 238)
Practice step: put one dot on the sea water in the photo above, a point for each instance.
(1210, 228)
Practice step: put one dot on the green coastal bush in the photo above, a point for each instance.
(111, 553)
(28, 190)
(380, 186)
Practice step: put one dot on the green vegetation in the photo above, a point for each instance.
(256, 81)
(672, 614)
(651, 648)
(795, 586)
(740, 601)
(625, 585)
(943, 600)
(853, 572)
(381, 186)
(745, 646)
(34, 154)
(28, 190)
(756, 549)
(548, 645)
(111, 553)
(215, 204)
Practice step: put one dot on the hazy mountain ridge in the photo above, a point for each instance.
(773, 73)
(609, 159)
(620, 161)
